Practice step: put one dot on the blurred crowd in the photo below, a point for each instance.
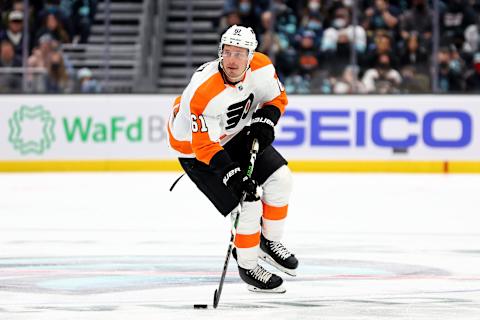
(51, 23)
(318, 46)
(312, 43)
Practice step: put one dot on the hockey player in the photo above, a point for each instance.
(229, 102)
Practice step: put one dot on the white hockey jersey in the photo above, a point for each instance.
(211, 111)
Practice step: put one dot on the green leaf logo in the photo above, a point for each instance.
(21, 118)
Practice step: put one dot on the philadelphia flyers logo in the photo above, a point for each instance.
(238, 111)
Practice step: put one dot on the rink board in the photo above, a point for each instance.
(422, 133)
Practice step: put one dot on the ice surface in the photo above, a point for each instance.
(120, 246)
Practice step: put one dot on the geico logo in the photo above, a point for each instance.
(437, 129)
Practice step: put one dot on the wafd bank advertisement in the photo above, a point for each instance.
(313, 128)
(84, 127)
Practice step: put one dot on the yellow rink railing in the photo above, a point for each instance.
(297, 166)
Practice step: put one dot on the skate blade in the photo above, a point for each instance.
(278, 289)
(265, 257)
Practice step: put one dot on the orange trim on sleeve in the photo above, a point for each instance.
(181, 146)
(247, 240)
(280, 102)
(259, 60)
(203, 147)
(274, 213)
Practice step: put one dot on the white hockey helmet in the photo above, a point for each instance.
(239, 36)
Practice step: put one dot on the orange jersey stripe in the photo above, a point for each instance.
(274, 213)
(280, 101)
(181, 146)
(259, 61)
(203, 147)
(247, 240)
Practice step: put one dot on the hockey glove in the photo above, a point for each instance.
(236, 179)
(233, 176)
(262, 126)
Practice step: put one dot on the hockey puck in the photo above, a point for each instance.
(200, 306)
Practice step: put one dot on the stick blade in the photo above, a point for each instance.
(215, 299)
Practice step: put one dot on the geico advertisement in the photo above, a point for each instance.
(83, 127)
(312, 128)
(381, 128)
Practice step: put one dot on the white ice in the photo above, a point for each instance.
(121, 246)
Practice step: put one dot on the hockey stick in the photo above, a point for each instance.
(218, 292)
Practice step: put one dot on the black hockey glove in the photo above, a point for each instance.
(236, 179)
(262, 126)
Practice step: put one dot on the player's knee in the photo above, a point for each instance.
(278, 187)
(249, 220)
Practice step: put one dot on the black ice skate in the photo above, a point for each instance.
(274, 253)
(261, 280)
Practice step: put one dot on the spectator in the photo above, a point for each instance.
(286, 20)
(57, 78)
(448, 79)
(229, 6)
(82, 15)
(9, 81)
(312, 8)
(297, 84)
(342, 24)
(229, 19)
(14, 32)
(41, 59)
(53, 27)
(383, 78)
(473, 76)
(248, 10)
(32, 10)
(347, 84)
(36, 71)
(312, 30)
(308, 58)
(334, 61)
(41, 54)
(415, 55)
(472, 37)
(457, 16)
(8, 57)
(269, 40)
(64, 17)
(414, 82)
(286, 29)
(457, 64)
(383, 45)
(249, 13)
(382, 17)
(418, 19)
(86, 83)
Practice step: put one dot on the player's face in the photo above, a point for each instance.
(235, 61)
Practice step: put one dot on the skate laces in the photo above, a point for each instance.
(260, 274)
(279, 249)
